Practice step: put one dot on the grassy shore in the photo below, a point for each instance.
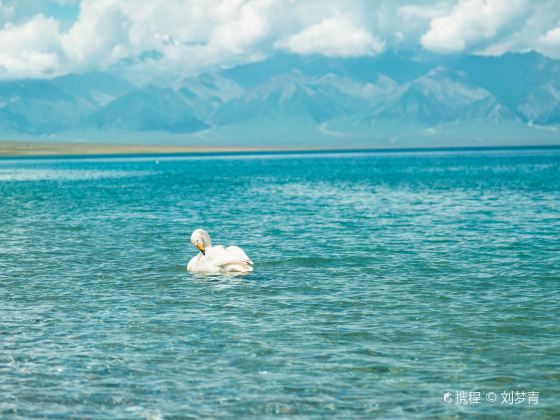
(31, 149)
(24, 148)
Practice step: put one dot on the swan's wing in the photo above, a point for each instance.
(238, 254)
(221, 256)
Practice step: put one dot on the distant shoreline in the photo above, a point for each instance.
(31, 149)
(15, 149)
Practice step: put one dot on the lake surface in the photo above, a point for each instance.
(382, 282)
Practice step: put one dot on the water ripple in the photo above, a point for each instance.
(382, 281)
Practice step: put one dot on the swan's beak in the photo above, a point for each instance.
(201, 248)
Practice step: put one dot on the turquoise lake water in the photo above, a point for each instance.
(382, 282)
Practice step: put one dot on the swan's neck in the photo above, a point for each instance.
(206, 241)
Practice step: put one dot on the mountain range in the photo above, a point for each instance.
(394, 99)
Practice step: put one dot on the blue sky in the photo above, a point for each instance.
(149, 40)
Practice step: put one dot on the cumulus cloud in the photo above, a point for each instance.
(470, 22)
(31, 49)
(549, 43)
(191, 36)
(413, 12)
(101, 35)
(6, 13)
(166, 40)
(333, 37)
(184, 34)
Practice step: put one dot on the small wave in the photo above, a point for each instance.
(65, 174)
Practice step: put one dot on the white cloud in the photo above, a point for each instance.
(6, 13)
(413, 20)
(31, 49)
(166, 40)
(185, 35)
(549, 43)
(190, 36)
(101, 36)
(241, 26)
(415, 12)
(470, 22)
(333, 37)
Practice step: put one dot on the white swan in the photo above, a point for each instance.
(217, 259)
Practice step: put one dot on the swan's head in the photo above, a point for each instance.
(201, 240)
